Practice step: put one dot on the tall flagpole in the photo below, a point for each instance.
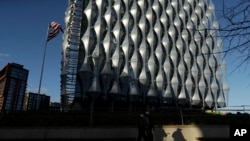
(41, 75)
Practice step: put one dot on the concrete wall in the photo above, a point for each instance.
(162, 133)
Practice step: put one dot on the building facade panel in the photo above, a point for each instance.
(153, 51)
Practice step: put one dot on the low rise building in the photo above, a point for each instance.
(35, 101)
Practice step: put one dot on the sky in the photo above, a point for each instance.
(23, 31)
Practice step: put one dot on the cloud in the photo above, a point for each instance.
(3, 56)
(35, 90)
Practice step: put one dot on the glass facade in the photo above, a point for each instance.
(143, 51)
(14, 81)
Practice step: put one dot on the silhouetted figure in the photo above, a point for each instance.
(160, 134)
(149, 126)
(178, 136)
(141, 128)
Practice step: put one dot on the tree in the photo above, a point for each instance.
(235, 29)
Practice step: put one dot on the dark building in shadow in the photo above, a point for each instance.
(13, 83)
(35, 101)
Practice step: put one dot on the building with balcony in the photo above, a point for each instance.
(13, 83)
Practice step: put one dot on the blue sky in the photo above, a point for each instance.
(23, 30)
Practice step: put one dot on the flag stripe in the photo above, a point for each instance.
(54, 29)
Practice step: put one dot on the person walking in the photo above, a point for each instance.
(141, 128)
(149, 126)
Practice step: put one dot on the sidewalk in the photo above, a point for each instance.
(162, 133)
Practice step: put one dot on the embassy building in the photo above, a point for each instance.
(160, 52)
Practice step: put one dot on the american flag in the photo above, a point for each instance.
(54, 29)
